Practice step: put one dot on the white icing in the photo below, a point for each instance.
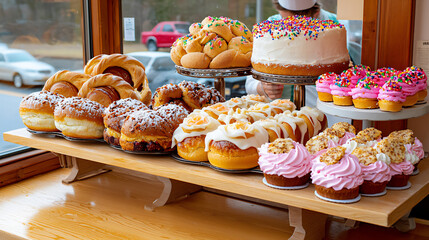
(265, 108)
(214, 110)
(351, 144)
(314, 115)
(273, 125)
(235, 102)
(293, 122)
(411, 157)
(383, 157)
(237, 115)
(238, 137)
(329, 47)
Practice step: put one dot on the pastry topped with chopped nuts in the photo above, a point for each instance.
(406, 136)
(332, 132)
(366, 155)
(281, 146)
(345, 126)
(393, 148)
(317, 143)
(333, 155)
(370, 134)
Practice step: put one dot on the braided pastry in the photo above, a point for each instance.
(231, 58)
(220, 28)
(240, 44)
(215, 46)
(89, 67)
(195, 60)
(66, 83)
(107, 88)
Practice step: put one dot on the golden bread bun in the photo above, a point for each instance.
(96, 89)
(192, 149)
(204, 37)
(220, 28)
(66, 83)
(192, 45)
(37, 110)
(231, 58)
(195, 28)
(195, 60)
(240, 44)
(89, 67)
(215, 46)
(224, 154)
(177, 49)
(79, 118)
(240, 29)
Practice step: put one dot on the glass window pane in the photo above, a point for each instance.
(37, 39)
(167, 28)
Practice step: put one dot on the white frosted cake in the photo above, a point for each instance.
(299, 46)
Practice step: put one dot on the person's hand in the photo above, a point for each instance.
(272, 90)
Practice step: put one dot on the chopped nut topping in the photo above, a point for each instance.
(366, 155)
(406, 136)
(281, 145)
(345, 126)
(332, 132)
(317, 143)
(370, 134)
(393, 148)
(333, 155)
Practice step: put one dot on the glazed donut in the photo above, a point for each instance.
(107, 88)
(220, 28)
(115, 115)
(240, 29)
(79, 118)
(37, 110)
(195, 60)
(165, 94)
(215, 46)
(240, 44)
(231, 58)
(66, 83)
(127, 67)
(89, 67)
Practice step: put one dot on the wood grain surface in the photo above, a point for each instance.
(383, 211)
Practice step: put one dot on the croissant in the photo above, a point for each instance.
(107, 88)
(66, 83)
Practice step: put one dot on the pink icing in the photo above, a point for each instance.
(355, 73)
(409, 87)
(417, 147)
(331, 144)
(405, 167)
(341, 87)
(295, 163)
(376, 172)
(384, 74)
(324, 81)
(347, 136)
(366, 88)
(345, 174)
(419, 76)
(391, 91)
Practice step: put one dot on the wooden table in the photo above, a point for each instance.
(306, 211)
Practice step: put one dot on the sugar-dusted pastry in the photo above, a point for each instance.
(37, 110)
(273, 127)
(234, 146)
(107, 88)
(66, 83)
(284, 105)
(391, 97)
(79, 118)
(115, 115)
(285, 163)
(337, 174)
(314, 118)
(323, 84)
(198, 96)
(296, 127)
(365, 93)
(166, 94)
(190, 135)
(375, 172)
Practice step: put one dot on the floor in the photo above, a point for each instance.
(111, 206)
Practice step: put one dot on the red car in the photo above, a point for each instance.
(164, 34)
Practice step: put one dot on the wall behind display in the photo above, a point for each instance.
(421, 32)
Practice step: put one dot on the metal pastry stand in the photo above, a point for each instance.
(219, 75)
(369, 115)
(299, 83)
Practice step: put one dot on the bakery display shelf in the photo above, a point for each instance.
(351, 112)
(93, 159)
(59, 134)
(284, 79)
(207, 164)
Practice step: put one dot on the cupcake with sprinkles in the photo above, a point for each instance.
(382, 75)
(391, 97)
(323, 84)
(421, 81)
(355, 73)
(340, 90)
(409, 87)
(365, 93)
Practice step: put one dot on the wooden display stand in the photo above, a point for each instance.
(307, 213)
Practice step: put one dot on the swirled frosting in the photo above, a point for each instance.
(355, 73)
(419, 76)
(366, 88)
(345, 138)
(238, 115)
(417, 147)
(351, 144)
(295, 163)
(391, 91)
(324, 82)
(341, 87)
(404, 167)
(405, 80)
(410, 155)
(235, 103)
(347, 173)
(376, 172)
(384, 74)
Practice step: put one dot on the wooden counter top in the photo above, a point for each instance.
(383, 211)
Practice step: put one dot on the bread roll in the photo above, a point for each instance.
(197, 60)
(66, 83)
(231, 58)
(240, 44)
(215, 46)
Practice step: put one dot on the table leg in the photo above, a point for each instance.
(219, 84)
(83, 169)
(308, 224)
(174, 190)
(299, 96)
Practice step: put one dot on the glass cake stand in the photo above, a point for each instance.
(218, 74)
(299, 83)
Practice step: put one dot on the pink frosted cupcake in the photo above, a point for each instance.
(336, 174)
(317, 145)
(376, 173)
(355, 73)
(365, 93)
(391, 97)
(409, 88)
(340, 90)
(285, 163)
(393, 150)
(421, 80)
(384, 74)
(323, 84)
(414, 148)
(350, 131)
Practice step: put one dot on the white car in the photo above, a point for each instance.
(22, 68)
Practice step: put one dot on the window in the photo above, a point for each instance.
(167, 28)
(182, 28)
(163, 64)
(1, 58)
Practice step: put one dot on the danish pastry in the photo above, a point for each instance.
(37, 110)
(66, 83)
(296, 128)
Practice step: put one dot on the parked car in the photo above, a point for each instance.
(161, 70)
(164, 34)
(22, 68)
